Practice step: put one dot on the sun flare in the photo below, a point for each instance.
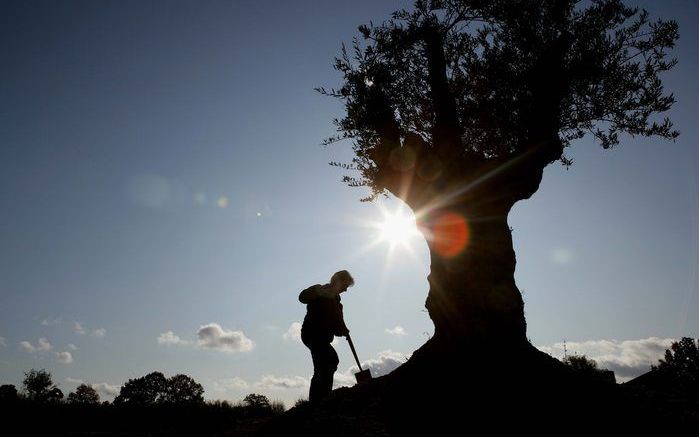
(397, 228)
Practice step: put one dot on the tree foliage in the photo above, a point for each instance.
(84, 394)
(454, 85)
(587, 367)
(183, 389)
(8, 393)
(155, 388)
(681, 363)
(145, 390)
(580, 363)
(39, 386)
(257, 401)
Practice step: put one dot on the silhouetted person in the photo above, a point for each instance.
(322, 323)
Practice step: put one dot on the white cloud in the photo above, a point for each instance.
(102, 388)
(72, 347)
(275, 382)
(561, 256)
(234, 383)
(2, 341)
(106, 389)
(51, 321)
(385, 363)
(628, 359)
(78, 328)
(397, 331)
(41, 345)
(293, 333)
(213, 336)
(64, 357)
(170, 337)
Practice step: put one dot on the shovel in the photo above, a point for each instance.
(363, 375)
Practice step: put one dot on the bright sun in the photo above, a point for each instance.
(397, 228)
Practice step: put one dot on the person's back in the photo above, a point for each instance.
(323, 321)
(324, 318)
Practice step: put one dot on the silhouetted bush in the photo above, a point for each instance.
(260, 405)
(587, 367)
(8, 394)
(300, 402)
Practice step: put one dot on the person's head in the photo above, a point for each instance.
(341, 280)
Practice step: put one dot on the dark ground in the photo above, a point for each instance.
(523, 392)
(527, 391)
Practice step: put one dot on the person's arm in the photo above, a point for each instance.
(341, 330)
(311, 293)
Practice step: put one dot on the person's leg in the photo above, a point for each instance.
(325, 361)
(317, 381)
(331, 361)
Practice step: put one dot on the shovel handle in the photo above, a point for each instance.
(354, 352)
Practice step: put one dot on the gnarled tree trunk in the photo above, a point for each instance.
(473, 297)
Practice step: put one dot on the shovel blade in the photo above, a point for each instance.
(363, 376)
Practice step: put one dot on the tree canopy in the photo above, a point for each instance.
(681, 363)
(254, 400)
(454, 85)
(156, 388)
(183, 389)
(39, 386)
(84, 394)
(144, 390)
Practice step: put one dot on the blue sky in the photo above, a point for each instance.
(161, 171)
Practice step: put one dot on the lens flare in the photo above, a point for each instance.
(450, 234)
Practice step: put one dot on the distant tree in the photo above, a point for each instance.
(84, 394)
(183, 389)
(8, 393)
(256, 401)
(457, 106)
(55, 395)
(39, 386)
(146, 390)
(155, 388)
(681, 363)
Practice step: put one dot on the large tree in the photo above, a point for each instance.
(456, 107)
